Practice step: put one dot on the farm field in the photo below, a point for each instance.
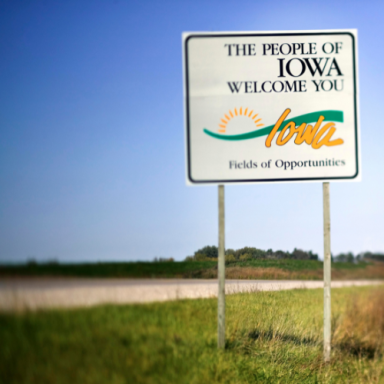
(271, 337)
(252, 269)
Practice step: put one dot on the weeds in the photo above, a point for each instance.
(361, 329)
(284, 272)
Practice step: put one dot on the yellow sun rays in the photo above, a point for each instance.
(238, 112)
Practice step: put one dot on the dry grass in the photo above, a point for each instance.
(375, 271)
(271, 273)
(360, 331)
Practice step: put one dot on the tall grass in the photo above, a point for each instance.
(295, 270)
(271, 337)
(361, 328)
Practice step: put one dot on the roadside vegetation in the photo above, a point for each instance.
(244, 263)
(271, 337)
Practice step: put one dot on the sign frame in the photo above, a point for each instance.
(187, 37)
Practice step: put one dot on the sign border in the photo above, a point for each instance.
(250, 34)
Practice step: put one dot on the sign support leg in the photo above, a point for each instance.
(221, 272)
(327, 273)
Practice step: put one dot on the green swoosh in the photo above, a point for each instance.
(307, 118)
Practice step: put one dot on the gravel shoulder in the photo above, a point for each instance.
(20, 294)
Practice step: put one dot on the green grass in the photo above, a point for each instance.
(272, 337)
(134, 269)
(161, 270)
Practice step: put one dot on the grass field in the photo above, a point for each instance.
(272, 337)
(254, 269)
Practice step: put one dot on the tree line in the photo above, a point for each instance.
(210, 253)
(355, 258)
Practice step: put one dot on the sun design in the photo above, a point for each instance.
(230, 115)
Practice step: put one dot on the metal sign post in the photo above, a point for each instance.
(221, 273)
(327, 273)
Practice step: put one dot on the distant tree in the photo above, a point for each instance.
(313, 256)
(251, 252)
(210, 251)
(372, 256)
(31, 262)
(345, 257)
(207, 253)
(299, 254)
(280, 255)
(163, 259)
(350, 257)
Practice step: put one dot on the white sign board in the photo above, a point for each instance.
(271, 106)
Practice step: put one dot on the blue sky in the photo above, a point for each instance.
(92, 163)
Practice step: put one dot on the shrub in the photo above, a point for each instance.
(229, 258)
(251, 252)
(245, 257)
(202, 257)
(209, 251)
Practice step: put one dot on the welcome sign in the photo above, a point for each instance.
(267, 107)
